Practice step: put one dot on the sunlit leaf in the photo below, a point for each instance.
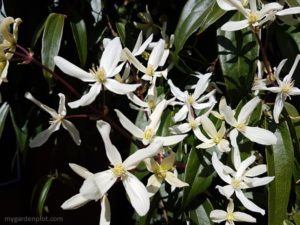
(4, 109)
(43, 195)
(79, 34)
(200, 215)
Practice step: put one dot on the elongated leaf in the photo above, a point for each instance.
(280, 163)
(79, 34)
(43, 195)
(196, 15)
(293, 3)
(198, 174)
(4, 109)
(51, 42)
(200, 216)
(238, 52)
(37, 34)
(121, 31)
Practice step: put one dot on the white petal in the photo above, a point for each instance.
(120, 88)
(289, 11)
(176, 91)
(112, 152)
(171, 140)
(247, 110)
(88, 98)
(247, 203)
(180, 129)
(201, 85)
(256, 170)
(136, 100)
(111, 55)
(174, 181)
(128, 125)
(235, 25)
(218, 216)
(105, 215)
(243, 217)
(279, 102)
(209, 127)
(104, 181)
(89, 189)
(81, 171)
(206, 145)
(227, 190)
(133, 160)
(155, 117)
(134, 61)
(43, 136)
(143, 47)
(244, 165)
(74, 202)
(218, 165)
(153, 185)
(137, 194)
(49, 110)
(228, 114)
(181, 114)
(157, 54)
(62, 107)
(227, 5)
(223, 146)
(260, 135)
(261, 181)
(235, 154)
(72, 70)
(294, 91)
(69, 126)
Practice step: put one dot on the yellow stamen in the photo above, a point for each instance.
(118, 170)
(193, 124)
(240, 127)
(230, 217)
(150, 70)
(151, 103)
(99, 74)
(252, 18)
(161, 172)
(190, 100)
(236, 184)
(286, 87)
(148, 134)
(217, 139)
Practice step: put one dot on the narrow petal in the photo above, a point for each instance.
(120, 88)
(247, 109)
(247, 203)
(227, 190)
(111, 55)
(81, 171)
(223, 146)
(155, 116)
(279, 103)
(88, 98)
(260, 135)
(171, 140)
(209, 127)
(74, 202)
(289, 11)
(228, 114)
(105, 215)
(235, 154)
(218, 165)
(229, 5)
(176, 91)
(168, 162)
(143, 47)
(136, 100)
(43, 136)
(104, 180)
(72, 70)
(244, 165)
(134, 61)
(294, 91)
(235, 25)
(201, 85)
(180, 129)
(133, 160)
(128, 125)
(260, 181)
(181, 114)
(295, 64)
(206, 145)
(69, 126)
(218, 216)
(157, 54)
(174, 181)
(153, 185)
(243, 217)
(112, 152)
(230, 206)
(62, 105)
(89, 189)
(256, 170)
(137, 194)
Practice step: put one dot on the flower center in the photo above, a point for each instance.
(193, 124)
(236, 184)
(240, 127)
(190, 100)
(57, 119)
(150, 70)
(252, 18)
(160, 172)
(99, 74)
(151, 103)
(118, 170)
(216, 139)
(148, 134)
(286, 87)
(230, 217)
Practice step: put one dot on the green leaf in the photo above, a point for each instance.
(121, 31)
(237, 53)
(37, 34)
(293, 3)
(200, 216)
(43, 195)
(51, 41)
(198, 174)
(4, 109)
(280, 161)
(196, 15)
(79, 34)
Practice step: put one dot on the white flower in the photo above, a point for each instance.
(120, 170)
(259, 83)
(153, 62)
(101, 77)
(195, 100)
(242, 178)
(218, 216)
(255, 134)
(148, 135)
(254, 16)
(58, 119)
(285, 88)
(161, 172)
(4, 64)
(216, 137)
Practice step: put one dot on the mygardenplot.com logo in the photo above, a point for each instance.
(31, 219)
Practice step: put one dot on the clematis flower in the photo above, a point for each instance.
(255, 134)
(254, 16)
(4, 64)
(162, 172)
(285, 88)
(88, 192)
(242, 178)
(195, 100)
(153, 62)
(101, 76)
(120, 170)
(218, 216)
(58, 119)
(216, 137)
(259, 83)
(148, 135)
